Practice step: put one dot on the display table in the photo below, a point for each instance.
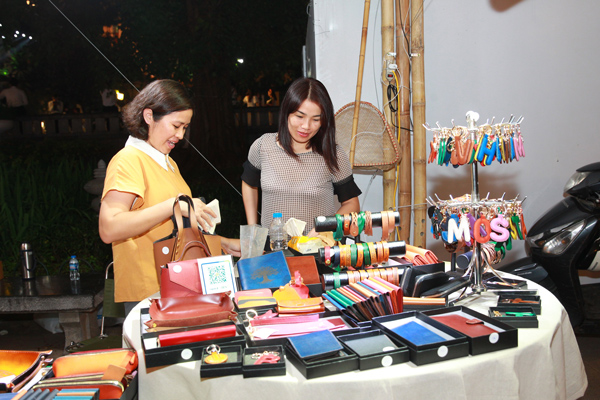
(547, 365)
(76, 304)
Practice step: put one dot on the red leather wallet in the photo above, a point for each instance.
(197, 335)
(469, 326)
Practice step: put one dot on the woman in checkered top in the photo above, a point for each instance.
(300, 168)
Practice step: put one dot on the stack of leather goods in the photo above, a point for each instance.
(111, 372)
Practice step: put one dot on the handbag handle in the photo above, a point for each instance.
(194, 243)
(179, 222)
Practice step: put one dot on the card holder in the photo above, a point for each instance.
(316, 344)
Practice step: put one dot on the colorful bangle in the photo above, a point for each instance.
(384, 225)
(339, 230)
(353, 224)
(386, 251)
(327, 255)
(359, 255)
(368, 223)
(366, 254)
(361, 222)
(347, 220)
(336, 280)
(353, 255)
(373, 253)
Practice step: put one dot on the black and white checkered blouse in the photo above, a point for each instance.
(302, 188)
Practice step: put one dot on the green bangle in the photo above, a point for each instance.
(339, 230)
(336, 280)
(361, 222)
(353, 255)
(366, 255)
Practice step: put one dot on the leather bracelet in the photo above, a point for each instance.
(353, 224)
(336, 280)
(386, 251)
(384, 225)
(361, 222)
(347, 255)
(339, 230)
(363, 274)
(373, 253)
(327, 255)
(391, 222)
(341, 255)
(356, 276)
(347, 220)
(379, 250)
(366, 254)
(377, 272)
(395, 275)
(353, 255)
(350, 276)
(384, 274)
(359, 255)
(368, 223)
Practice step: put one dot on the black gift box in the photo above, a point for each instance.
(157, 356)
(232, 366)
(512, 320)
(344, 361)
(455, 344)
(252, 370)
(536, 305)
(506, 336)
(375, 349)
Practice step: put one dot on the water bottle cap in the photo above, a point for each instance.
(277, 215)
(73, 256)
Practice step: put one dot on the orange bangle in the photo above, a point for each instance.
(342, 256)
(377, 272)
(359, 255)
(379, 248)
(384, 225)
(348, 256)
(391, 221)
(363, 274)
(372, 253)
(386, 251)
(368, 224)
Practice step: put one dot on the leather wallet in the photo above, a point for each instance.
(197, 335)
(302, 306)
(23, 365)
(190, 311)
(471, 327)
(307, 267)
(316, 344)
(417, 333)
(94, 362)
(267, 271)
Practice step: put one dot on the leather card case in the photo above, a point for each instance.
(267, 271)
(316, 344)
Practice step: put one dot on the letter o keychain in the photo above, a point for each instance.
(215, 356)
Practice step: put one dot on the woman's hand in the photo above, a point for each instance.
(204, 214)
(231, 246)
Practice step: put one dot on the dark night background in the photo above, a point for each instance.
(197, 42)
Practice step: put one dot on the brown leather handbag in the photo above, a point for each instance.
(190, 311)
(184, 243)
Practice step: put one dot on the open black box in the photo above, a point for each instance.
(233, 365)
(367, 345)
(252, 370)
(536, 304)
(344, 361)
(505, 337)
(515, 321)
(157, 356)
(455, 345)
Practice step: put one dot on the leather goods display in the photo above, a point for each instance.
(320, 343)
(366, 299)
(95, 361)
(109, 371)
(23, 365)
(190, 311)
(197, 335)
(267, 271)
(184, 243)
(301, 306)
(472, 327)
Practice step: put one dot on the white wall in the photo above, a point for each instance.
(535, 58)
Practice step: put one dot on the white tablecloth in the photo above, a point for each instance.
(546, 365)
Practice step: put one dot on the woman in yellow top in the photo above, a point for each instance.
(141, 185)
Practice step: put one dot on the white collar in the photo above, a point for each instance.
(162, 159)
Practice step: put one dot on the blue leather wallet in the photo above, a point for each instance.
(315, 344)
(417, 333)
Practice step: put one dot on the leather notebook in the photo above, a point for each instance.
(267, 271)
(417, 334)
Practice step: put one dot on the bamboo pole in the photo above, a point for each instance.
(418, 108)
(361, 65)
(387, 46)
(404, 132)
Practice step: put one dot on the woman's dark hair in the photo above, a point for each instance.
(323, 142)
(162, 97)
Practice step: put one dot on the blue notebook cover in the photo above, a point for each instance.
(417, 334)
(320, 343)
(264, 272)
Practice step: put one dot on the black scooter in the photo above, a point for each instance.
(566, 239)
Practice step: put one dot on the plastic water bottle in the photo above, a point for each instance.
(277, 233)
(74, 268)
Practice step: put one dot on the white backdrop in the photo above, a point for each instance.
(535, 58)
